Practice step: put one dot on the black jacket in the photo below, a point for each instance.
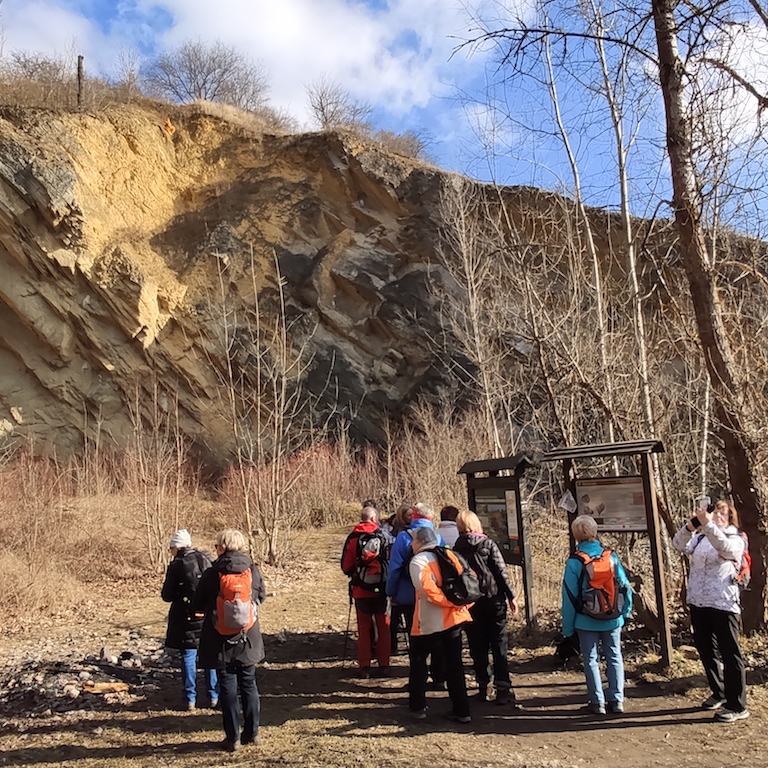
(215, 649)
(485, 559)
(181, 579)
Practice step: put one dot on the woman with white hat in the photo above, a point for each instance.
(184, 627)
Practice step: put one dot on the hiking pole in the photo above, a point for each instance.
(346, 633)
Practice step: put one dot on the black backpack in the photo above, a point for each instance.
(194, 563)
(461, 587)
(369, 571)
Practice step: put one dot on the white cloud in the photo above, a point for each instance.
(730, 110)
(396, 57)
(395, 54)
(46, 27)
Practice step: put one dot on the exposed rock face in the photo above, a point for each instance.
(131, 258)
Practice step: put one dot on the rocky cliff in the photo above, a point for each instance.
(144, 263)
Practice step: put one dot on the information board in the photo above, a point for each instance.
(497, 510)
(616, 503)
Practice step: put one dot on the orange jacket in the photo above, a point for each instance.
(434, 611)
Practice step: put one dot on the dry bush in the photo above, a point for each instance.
(319, 485)
(413, 144)
(262, 120)
(56, 542)
(428, 452)
(327, 494)
(38, 80)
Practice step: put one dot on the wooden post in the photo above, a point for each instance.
(525, 552)
(654, 535)
(80, 78)
(569, 480)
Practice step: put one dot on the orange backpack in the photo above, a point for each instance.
(599, 596)
(235, 611)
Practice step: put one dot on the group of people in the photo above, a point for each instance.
(411, 596)
(395, 581)
(407, 595)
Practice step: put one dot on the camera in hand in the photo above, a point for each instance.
(694, 521)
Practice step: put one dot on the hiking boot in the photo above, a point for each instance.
(617, 707)
(229, 746)
(595, 709)
(419, 714)
(464, 719)
(191, 706)
(246, 740)
(729, 716)
(364, 673)
(712, 703)
(505, 700)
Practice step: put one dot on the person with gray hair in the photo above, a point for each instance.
(183, 634)
(594, 632)
(234, 655)
(436, 629)
(400, 589)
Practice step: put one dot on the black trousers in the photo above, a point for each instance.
(716, 637)
(406, 613)
(447, 645)
(487, 633)
(436, 662)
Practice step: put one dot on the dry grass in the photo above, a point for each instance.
(101, 516)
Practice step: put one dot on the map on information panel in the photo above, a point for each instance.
(616, 503)
(497, 510)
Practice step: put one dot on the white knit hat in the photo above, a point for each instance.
(181, 539)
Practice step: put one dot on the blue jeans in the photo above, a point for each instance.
(233, 678)
(189, 676)
(614, 664)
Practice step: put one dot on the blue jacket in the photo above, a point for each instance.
(572, 620)
(399, 586)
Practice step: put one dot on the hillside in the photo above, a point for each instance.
(131, 257)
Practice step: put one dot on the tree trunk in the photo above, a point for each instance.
(732, 412)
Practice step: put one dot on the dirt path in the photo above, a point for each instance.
(317, 714)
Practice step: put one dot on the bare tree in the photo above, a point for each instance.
(331, 106)
(651, 36)
(269, 410)
(739, 420)
(208, 71)
(411, 143)
(127, 72)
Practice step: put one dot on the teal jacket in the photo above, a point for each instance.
(572, 620)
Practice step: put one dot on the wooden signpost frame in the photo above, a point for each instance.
(514, 467)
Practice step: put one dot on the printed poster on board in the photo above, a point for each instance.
(497, 510)
(616, 503)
